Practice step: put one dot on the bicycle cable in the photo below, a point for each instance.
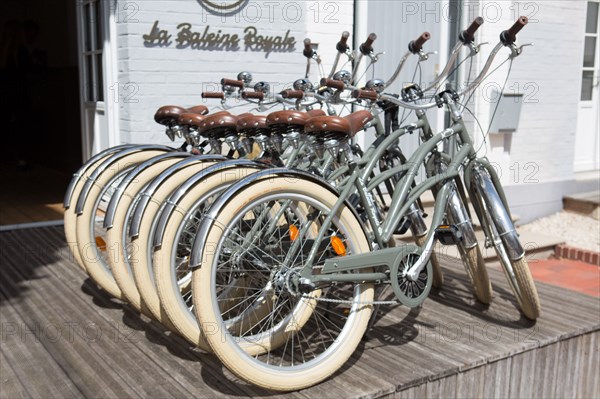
(464, 104)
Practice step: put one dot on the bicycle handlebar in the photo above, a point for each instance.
(297, 94)
(467, 35)
(334, 84)
(233, 83)
(360, 94)
(367, 46)
(342, 45)
(257, 95)
(213, 94)
(417, 45)
(518, 25)
(308, 51)
(509, 36)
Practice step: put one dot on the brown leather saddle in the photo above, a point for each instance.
(336, 127)
(168, 115)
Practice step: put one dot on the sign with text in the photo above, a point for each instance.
(214, 39)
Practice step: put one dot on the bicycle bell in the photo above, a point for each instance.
(262, 87)
(375, 84)
(244, 76)
(303, 84)
(343, 76)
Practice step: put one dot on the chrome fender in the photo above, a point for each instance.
(198, 244)
(173, 202)
(483, 185)
(81, 172)
(148, 192)
(106, 164)
(131, 176)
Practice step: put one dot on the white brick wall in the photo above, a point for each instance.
(169, 75)
(548, 75)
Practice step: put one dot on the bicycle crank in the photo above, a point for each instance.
(410, 292)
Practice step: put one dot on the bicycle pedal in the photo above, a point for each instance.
(448, 234)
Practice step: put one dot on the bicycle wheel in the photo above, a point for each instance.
(500, 232)
(91, 236)
(140, 260)
(117, 237)
(477, 272)
(170, 261)
(76, 185)
(305, 337)
(468, 248)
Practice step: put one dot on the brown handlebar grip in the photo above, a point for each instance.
(232, 82)
(367, 46)
(334, 84)
(365, 94)
(467, 35)
(517, 26)
(254, 95)
(342, 45)
(298, 94)
(416, 45)
(213, 94)
(509, 36)
(477, 22)
(308, 51)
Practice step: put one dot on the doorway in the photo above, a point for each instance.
(40, 108)
(587, 139)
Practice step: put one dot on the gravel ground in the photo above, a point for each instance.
(578, 231)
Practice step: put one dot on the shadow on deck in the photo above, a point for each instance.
(63, 337)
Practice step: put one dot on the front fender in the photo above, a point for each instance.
(173, 202)
(84, 168)
(106, 164)
(131, 176)
(146, 195)
(224, 198)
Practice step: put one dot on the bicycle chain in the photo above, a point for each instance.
(353, 302)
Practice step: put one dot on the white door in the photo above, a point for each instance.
(587, 139)
(95, 22)
(397, 23)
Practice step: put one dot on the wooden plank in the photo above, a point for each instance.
(497, 379)
(211, 369)
(469, 384)
(440, 349)
(10, 385)
(118, 347)
(546, 368)
(88, 371)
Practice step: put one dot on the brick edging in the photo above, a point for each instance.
(582, 255)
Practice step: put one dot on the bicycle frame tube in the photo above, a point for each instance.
(404, 196)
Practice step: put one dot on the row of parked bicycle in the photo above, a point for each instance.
(273, 256)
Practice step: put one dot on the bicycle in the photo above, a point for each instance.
(305, 276)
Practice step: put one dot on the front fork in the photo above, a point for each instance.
(457, 214)
(489, 201)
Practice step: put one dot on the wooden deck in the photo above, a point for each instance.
(63, 337)
(32, 195)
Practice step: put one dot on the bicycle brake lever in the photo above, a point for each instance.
(425, 56)
(350, 54)
(475, 48)
(375, 57)
(516, 51)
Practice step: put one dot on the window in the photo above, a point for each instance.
(589, 51)
(93, 43)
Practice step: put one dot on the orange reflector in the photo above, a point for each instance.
(294, 232)
(100, 243)
(338, 246)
